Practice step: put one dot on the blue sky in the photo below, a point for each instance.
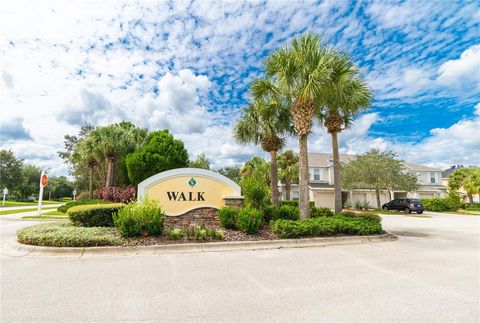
(187, 66)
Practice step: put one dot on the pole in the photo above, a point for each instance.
(40, 195)
(5, 192)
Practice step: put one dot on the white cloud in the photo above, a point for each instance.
(13, 129)
(463, 70)
(457, 144)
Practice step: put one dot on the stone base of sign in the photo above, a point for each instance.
(234, 201)
(205, 215)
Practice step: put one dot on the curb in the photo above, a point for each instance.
(16, 249)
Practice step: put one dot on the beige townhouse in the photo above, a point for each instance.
(322, 189)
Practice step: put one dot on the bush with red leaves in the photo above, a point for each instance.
(117, 194)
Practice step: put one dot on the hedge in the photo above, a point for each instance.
(65, 234)
(96, 215)
(64, 208)
(439, 204)
(295, 203)
(326, 226)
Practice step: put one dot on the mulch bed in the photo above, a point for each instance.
(265, 233)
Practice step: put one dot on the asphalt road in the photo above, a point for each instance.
(431, 274)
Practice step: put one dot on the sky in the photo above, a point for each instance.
(186, 66)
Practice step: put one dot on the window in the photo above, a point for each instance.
(294, 195)
(432, 178)
(315, 174)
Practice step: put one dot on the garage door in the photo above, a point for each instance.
(324, 199)
(426, 195)
(362, 197)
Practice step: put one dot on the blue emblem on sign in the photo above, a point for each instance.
(192, 182)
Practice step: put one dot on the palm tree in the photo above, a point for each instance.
(347, 95)
(257, 168)
(288, 165)
(112, 143)
(298, 74)
(266, 124)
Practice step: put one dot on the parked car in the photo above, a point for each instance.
(405, 204)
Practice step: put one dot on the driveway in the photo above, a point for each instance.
(430, 274)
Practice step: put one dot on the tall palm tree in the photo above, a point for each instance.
(266, 124)
(347, 95)
(288, 170)
(298, 74)
(112, 143)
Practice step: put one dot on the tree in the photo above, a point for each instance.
(10, 170)
(75, 157)
(30, 183)
(257, 168)
(111, 144)
(466, 178)
(288, 164)
(346, 96)
(265, 123)
(160, 152)
(232, 172)
(201, 162)
(379, 171)
(298, 75)
(58, 187)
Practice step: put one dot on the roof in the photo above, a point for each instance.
(325, 160)
(320, 185)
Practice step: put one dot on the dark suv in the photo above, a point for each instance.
(404, 204)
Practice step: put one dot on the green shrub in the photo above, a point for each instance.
(436, 204)
(367, 215)
(95, 215)
(473, 206)
(326, 226)
(270, 212)
(64, 208)
(249, 220)
(256, 193)
(288, 212)
(321, 211)
(295, 203)
(65, 234)
(202, 233)
(144, 217)
(175, 234)
(348, 213)
(227, 215)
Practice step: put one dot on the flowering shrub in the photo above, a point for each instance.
(117, 194)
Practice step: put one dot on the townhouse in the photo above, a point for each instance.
(322, 189)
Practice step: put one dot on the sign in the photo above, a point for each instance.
(44, 180)
(43, 183)
(74, 193)
(184, 189)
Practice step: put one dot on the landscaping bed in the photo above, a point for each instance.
(141, 224)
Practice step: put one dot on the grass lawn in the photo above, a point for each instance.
(65, 234)
(48, 215)
(25, 210)
(15, 203)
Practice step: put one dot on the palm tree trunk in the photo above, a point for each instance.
(287, 188)
(110, 170)
(303, 177)
(377, 193)
(470, 198)
(90, 183)
(337, 181)
(274, 177)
